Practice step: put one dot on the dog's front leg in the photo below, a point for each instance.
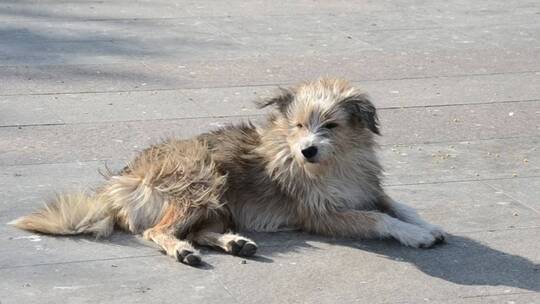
(409, 215)
(367, 224)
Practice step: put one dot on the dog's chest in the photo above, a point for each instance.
(342, 193)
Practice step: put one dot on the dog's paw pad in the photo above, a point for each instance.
(188, 257)
(242, 247)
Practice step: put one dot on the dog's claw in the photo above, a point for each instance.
(440, 240)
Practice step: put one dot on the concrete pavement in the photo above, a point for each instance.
(84, 83)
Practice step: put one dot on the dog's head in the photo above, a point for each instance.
(324, 120)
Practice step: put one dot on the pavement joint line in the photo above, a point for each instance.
(130, 121)
(436, 24)
(512, 197)
(33, 125)
(82, 261)
(453, 300)
(192, 16)
(225, 287)
(469, 232)
(381, 145)
(199, 17)
(461, 181)
(462, 141)
(498, 294)
(63, 123)
(247, 85)
(459, 104)
(81, 162)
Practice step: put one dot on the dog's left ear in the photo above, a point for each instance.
(281, 101)
(361, 108)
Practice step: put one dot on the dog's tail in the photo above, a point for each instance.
(69, 214)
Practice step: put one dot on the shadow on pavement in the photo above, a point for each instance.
(461, 260)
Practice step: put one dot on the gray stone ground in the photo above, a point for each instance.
(84, 83)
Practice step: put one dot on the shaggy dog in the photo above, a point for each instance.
(311, 167)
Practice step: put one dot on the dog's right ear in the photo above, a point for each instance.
(361, 108)
(281, 101)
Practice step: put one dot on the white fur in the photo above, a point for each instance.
(407, 234)
(409, 215)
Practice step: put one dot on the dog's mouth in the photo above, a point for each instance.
(311, 160)
(304, 161)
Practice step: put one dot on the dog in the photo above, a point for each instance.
(311, 166)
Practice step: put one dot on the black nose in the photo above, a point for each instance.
(309, 152)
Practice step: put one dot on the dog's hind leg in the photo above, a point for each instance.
(182, 250)
(166, 231)
(229, 242)
(409, 215)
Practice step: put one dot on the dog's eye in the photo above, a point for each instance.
(330, 125)
(299, 126)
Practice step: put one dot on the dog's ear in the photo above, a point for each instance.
(361, 108)
(281, 101)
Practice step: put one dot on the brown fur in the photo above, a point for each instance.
(242, 177)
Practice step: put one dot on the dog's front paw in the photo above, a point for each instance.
(412, 235)
(420, 239)
(437, 232)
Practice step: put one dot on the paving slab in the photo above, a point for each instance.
(466, 207)
(371, 65)
(526, 191)
(222, 102)
(503, 159)
(25, 112)
(168, 104)
(137, 280)
(159, 73)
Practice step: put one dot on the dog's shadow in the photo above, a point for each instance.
(460, 260)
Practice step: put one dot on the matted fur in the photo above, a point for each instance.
(252, 178)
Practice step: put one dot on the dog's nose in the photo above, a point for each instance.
(310, 152)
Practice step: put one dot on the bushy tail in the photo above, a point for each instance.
(71, 214)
